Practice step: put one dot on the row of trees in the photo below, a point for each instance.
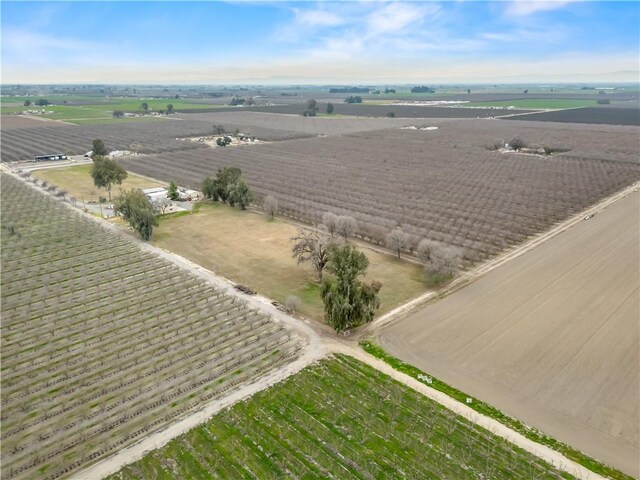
(144, 108)
(41, 102)
(440, 261)
(228, 187)
(312, 108)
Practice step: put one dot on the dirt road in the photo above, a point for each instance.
(551, 337)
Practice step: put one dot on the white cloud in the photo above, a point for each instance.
(396, 17)
(317, 18)
(25, 41)
(522, 8)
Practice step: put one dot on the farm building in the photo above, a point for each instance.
(155, 193)
(46, 158)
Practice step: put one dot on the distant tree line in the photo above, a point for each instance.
(423, 89)
(41, 102)
(352, 99)
(349, 90)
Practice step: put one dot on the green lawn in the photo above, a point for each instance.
(338, 419)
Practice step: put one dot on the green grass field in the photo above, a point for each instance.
(535, 104)
(338, 419)
(251, 250)
(77, 181)
(102, 111)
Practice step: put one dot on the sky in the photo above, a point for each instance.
(262, 42)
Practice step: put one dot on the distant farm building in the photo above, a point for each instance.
(46, 158)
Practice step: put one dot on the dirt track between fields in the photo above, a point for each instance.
(551, 337)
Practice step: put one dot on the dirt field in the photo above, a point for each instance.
(603, 115)
(247, 248)
(77, 181)
(551, 338)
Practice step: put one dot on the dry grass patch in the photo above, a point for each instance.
(249, 249)
(78, 182)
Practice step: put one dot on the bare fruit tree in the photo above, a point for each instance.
(270, 205)
(346, 226)
(439, 259)
(396, 240)
(330, 220)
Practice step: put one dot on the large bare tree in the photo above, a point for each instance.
(314, 248)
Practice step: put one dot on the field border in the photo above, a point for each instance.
(483, 408)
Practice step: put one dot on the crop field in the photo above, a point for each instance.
(103, 343)
(603, 115)
(247, 248)
(146, 137)
(444, 184)
(551, 338)
(309, 126)
(400, 111)
(77, 181)
(25, 138)
(338, 419)
(537, 103)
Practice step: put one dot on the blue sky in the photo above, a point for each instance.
(319, 42)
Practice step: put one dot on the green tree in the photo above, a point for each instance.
(144, 106)
(348, 302)
(169, 109)
(223, 141)
(329, 108)
(99, 148)
(210, 189)
(105, 172)
(226, 177)
(27, 103)
(173, 191)
(118, 114)
(42, 102)
(239, 194)
(136, 209)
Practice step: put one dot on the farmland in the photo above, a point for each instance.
(103, 342)
(79, 184)
(603, 115)
(551, 337)
(444, 184)
(339, 418)
(536, 103)
(250, 250)
(372, 110)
